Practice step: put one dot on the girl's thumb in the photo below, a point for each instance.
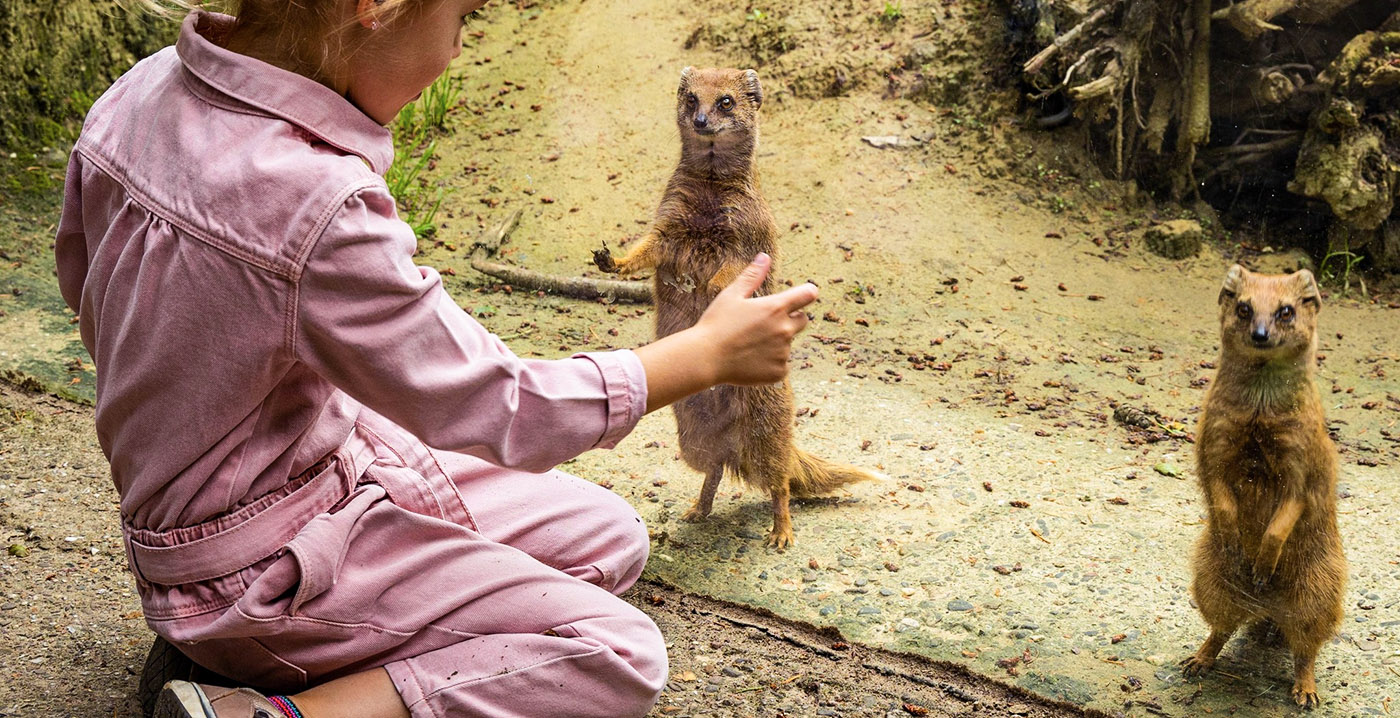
(752, 277)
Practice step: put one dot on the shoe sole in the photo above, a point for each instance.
(182, 699)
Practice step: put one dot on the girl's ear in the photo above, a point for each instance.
(367, 13)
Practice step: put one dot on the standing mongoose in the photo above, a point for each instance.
(1268, 472)
(710, 224)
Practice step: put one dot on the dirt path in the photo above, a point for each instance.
(1023, 532)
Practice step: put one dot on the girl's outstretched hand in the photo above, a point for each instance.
(753, 335)
(740, 339)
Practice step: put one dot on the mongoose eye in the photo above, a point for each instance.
(726, 103)
(691, 99)
(1244, 311)
(1284, 313)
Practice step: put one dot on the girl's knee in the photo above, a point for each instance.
(627, 546)
(643, 649)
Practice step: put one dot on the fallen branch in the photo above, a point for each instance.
(519, 277)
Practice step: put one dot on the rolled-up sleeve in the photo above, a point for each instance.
(386, 332)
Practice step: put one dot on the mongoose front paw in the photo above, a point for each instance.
(603, 259)
(1263, 571)
(695, 514)
(1230, 546)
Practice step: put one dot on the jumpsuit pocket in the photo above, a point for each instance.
(321, 546)
(310, 562)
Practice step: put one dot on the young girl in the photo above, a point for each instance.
(327, 470)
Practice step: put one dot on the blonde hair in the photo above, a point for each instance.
(168, 8)
(310, 28)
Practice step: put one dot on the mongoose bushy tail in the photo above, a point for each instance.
(812, 476)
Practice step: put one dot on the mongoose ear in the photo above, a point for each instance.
(686, 74)
(755, 91)
(1233, 280)
(1307, 288)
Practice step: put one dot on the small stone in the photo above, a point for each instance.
(868, 611)
(809, 576)
(19, 550)
(959, 605)
(731, 671)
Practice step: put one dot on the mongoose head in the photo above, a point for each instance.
(718, 108)
(1269, 315)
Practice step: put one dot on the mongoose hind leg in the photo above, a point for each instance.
(1304, 638)
(705, 502)
(1204, 659)
(1218, 603)
(1304, 684)
(781, 536)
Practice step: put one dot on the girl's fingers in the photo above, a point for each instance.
(791, 300)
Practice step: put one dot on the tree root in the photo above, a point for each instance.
(521, 278)
(1251, 17)
(1035, 63)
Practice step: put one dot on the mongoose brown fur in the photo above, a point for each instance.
(710, 224)
(1271, 552)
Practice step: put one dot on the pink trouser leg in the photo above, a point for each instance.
(542, 634)
(561, 520)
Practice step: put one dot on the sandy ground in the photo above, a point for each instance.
(986, 303)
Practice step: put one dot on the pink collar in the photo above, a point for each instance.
(300, 100)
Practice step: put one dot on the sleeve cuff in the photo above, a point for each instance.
(625, 383)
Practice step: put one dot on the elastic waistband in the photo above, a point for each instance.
(263, 534)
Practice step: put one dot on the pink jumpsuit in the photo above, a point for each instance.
(272, 369)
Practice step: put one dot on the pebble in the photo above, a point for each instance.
(868, 611)
(731, 671)
(959, 605)
(809, 576)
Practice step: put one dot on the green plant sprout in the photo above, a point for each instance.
(1347, 261)
(414, 152)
